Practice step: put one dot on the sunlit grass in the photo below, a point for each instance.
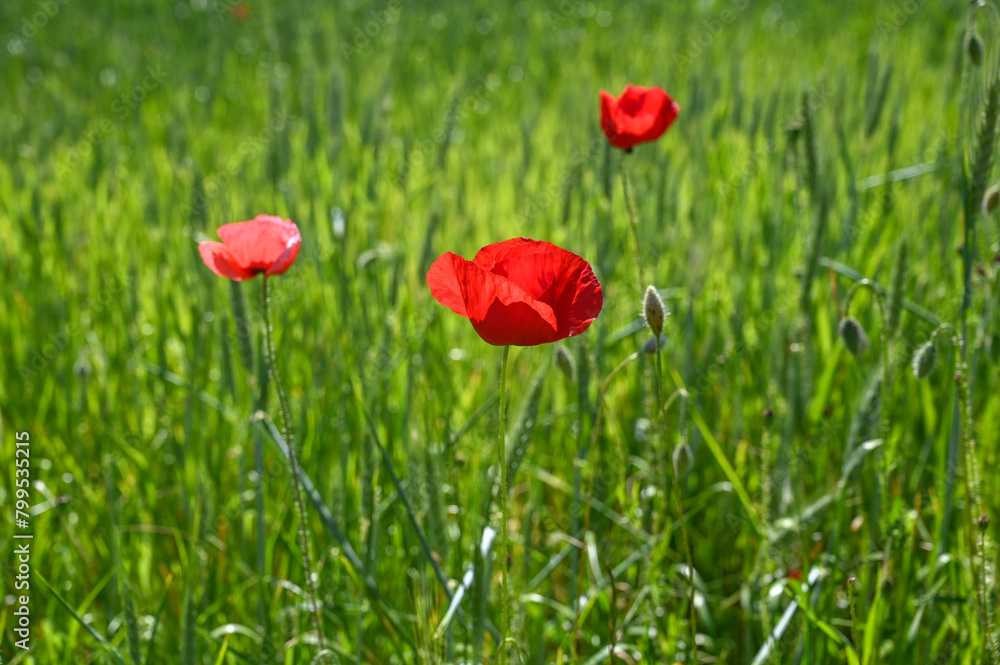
(133, 131)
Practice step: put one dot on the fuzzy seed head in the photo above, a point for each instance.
(654, 310)
(923, 360)
(854, 336)
(983, 522)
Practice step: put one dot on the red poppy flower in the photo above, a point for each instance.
(266, 244)
(522, 292)
(638, 116)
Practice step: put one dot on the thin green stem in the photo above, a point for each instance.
(884, 337)
(975, 500)
(594, 434)
(675, 482)
(763, 564)
(989, 644)
(505, 509)
(982, 593)
(855, 619)
(286, 426)
(633, 219)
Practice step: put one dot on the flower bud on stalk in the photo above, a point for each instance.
(854, 336)
(654, 344)
(974, 47)
(654, 310)
(924, 360)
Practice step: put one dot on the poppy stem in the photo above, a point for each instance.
(286, 432)
(633, 219)
(505, 509)
(675, 482)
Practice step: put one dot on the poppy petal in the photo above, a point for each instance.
(493, 255)
(501, 311)
(607, 117)
(516, 323)
(287, 258)
(220, 261)
(639, 115)
(443, 278)
(264, 244)
(484, 291)
(553, 276)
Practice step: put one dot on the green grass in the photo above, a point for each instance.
(133, 131)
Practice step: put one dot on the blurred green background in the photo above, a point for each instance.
(814, 140)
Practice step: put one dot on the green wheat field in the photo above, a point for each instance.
(831, 162)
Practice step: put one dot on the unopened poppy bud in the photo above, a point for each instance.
(974, 47)
(991, 200)
(565, 362)
(654, 310)
(924, 359)
(682, 460)
(651, 344)
(854, 336)
(983, 522)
